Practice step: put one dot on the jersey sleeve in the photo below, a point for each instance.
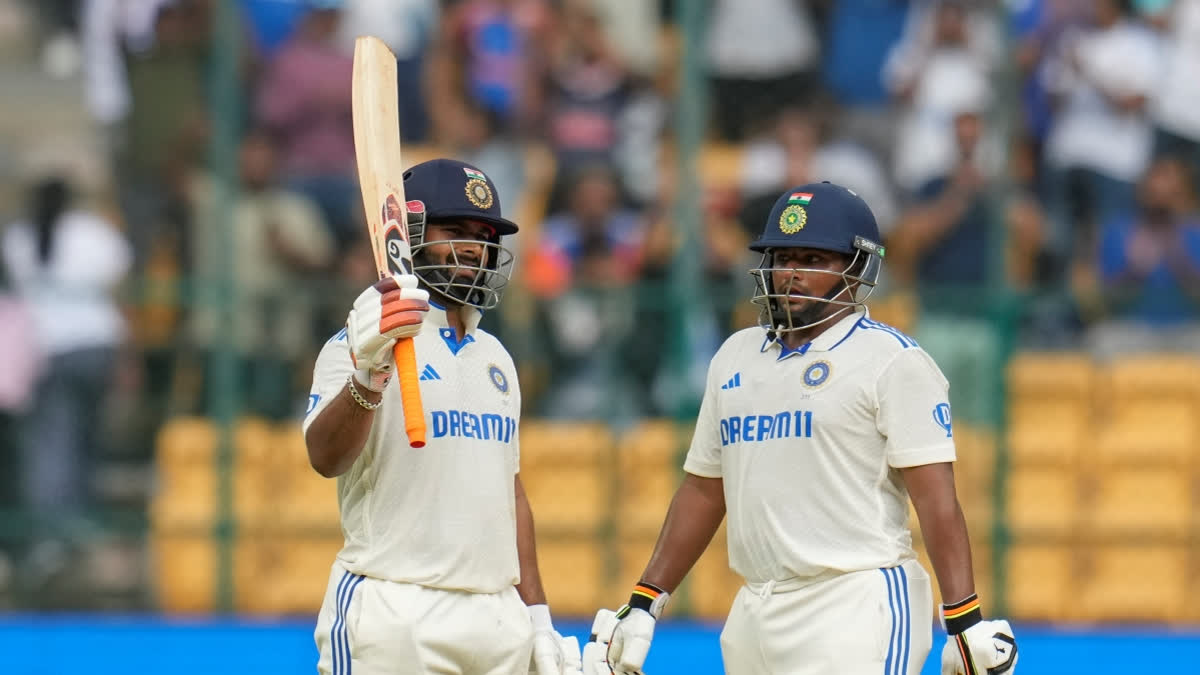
(329, 376)
(704, 455)
(913, 411)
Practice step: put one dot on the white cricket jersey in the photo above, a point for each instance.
(808, 442)
(444, 515)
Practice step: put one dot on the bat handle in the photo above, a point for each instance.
(410, 392)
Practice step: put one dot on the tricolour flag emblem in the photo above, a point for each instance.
(802, 198)
(472, 173)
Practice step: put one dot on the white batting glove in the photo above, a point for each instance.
(974, 646)
(630, 637)
(595, 652)
(391, 309)
(552, 653)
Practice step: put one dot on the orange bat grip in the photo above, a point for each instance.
(410, 392)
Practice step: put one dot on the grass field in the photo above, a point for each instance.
(102, 644)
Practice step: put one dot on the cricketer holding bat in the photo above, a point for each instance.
(439, 571)
(814, 431)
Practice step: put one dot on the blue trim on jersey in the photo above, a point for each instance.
(338, 336)
(339, 636)
(907, 620)
(847, 335)
(905, 340)
(896, 662)
(452, 342)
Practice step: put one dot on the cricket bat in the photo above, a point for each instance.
(380, 173)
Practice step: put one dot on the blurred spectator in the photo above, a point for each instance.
(859, 36)
(1177, 103)
(762, 54)
(802, 150)
(280, 244)
(64, 263)
(408, 27)
(478, 140)
(304, 101)
(494, 53)
(272, 22)
(583, 274)
(1101, 139)
(111, 30)
(1149, 268)
(941, 67)
(163, 130)
(1039, 27)
(949, 249)
(587, 91)
(61, 53)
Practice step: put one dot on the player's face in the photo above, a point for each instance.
(465, 245)
(808, 272)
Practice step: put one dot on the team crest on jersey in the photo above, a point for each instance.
(479, 193)
(498, 379)
(792, 219)
(816, 374)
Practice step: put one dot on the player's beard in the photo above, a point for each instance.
(813, 310)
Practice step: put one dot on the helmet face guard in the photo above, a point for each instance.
(857, 282)
(478, 284)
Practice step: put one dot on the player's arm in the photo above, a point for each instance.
(337, 436)
(552, 654)
(931, 488)
(392, 308)
(530, 587)
(973, 645)
(621, 640)
(695, 514)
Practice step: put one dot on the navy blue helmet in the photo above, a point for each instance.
(820, 216)
(445, 190)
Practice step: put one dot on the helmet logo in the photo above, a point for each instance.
(479, 193)
(793, 219)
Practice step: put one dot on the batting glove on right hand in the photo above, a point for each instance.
(621, 640)
(974, 646)
(391, 309)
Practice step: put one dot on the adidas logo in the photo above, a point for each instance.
(429, 374)
(734, 382)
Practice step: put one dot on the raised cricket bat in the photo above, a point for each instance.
(377, 150)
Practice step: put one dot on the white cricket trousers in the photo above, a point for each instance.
(369, 626)
(874, 622)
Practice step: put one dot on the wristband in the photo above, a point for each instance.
(648, 598)
(358, 398)
(961, 615)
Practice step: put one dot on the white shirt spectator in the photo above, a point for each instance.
(1177, 108)
(760, 39)
(1090, 132)
(109, 27)
(843, 162)
(404, 25)
(69, 295)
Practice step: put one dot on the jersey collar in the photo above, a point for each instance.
(437, 320)
(831, 337)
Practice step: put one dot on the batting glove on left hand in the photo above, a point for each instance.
(974, 646)
(393, 308)
(552, 653)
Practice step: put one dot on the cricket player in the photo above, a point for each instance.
(439, 571)
(814, 431)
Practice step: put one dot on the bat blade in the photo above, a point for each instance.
(381, 177)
